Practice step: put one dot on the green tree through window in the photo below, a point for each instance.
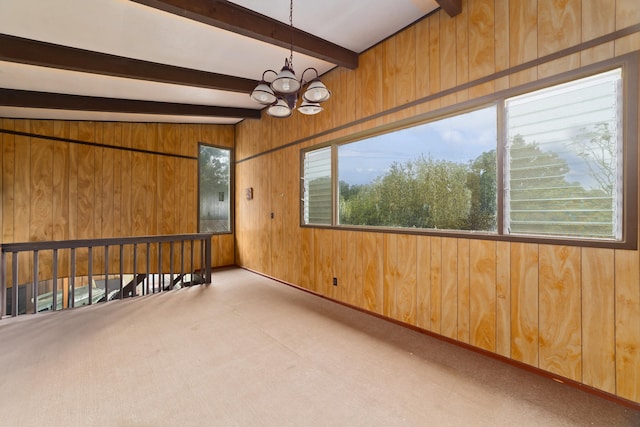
(214, 189)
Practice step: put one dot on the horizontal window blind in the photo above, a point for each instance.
(317, 187)
(563, 173)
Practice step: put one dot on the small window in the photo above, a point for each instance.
(317, 187)
(214, 188)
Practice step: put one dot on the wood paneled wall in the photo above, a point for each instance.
(571, 311)
(57, 190)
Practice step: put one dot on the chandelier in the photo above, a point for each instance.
(282, 93)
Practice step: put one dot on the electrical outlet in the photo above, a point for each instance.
(335, 281)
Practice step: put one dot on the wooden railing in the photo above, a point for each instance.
(64, 274)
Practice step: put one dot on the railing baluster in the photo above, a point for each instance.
(160, 275)
(14, 284)
(207, 254)
(106, 272)
(182, 262)
(90, 275)
(34, 285)
(72, 281)
(191, 265)
(3, 284)
(55, 280)
(132, 292)
(170, 265)
(121, 268)
(202, 263)
(145, 289)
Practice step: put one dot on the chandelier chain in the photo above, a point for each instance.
(291, 34)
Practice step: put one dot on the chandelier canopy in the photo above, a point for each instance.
(281, 94)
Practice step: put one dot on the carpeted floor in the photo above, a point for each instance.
(247, 351)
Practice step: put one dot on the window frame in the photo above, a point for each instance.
(231, 199)
(629, 65)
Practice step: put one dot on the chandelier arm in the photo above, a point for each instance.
(268, 71)
(303, 81)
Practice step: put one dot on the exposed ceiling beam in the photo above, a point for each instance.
(452, 7)
(234, 18)
(57, 101)
(32, 52)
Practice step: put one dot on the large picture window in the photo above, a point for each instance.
(214, 174)
(440, 175)
(549, 163)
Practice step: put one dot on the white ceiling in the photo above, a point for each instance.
(128, 29)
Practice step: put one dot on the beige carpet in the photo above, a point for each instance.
(247, 351)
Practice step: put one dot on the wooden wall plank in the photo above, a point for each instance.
(41, 197)
(482, 294)
(598, 319)
(523, 39)
(324, 245)
(422, 58)
(464, 280)
(482, 44)
(60, 195)
(448, 54)
(139, 136)
(407, 72)
(435, 280)
(86, 131)
(598, 18)
(501, 37)
(22, 198)
(560, 323)
(524, 303)
(627, 324)
(139, 176)
(336, 268)
(406, 279)
(423, 284)
(292, 214)
(390, 72)
(390, 260)
(627, 14)
(97, 182)
(434, 57)
(73, 190)
(126, 207)
(372, 270)
(277, 224)
(307, 256)
(369, 84)
(462, 53)
(558, 28)
(449, 288)
(503, 299)
(185, 215)
(8, 182)
(349, 287)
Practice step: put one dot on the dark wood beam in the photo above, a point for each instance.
(57, 101)
(234, 18)
(452, 7)
(32, 52)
